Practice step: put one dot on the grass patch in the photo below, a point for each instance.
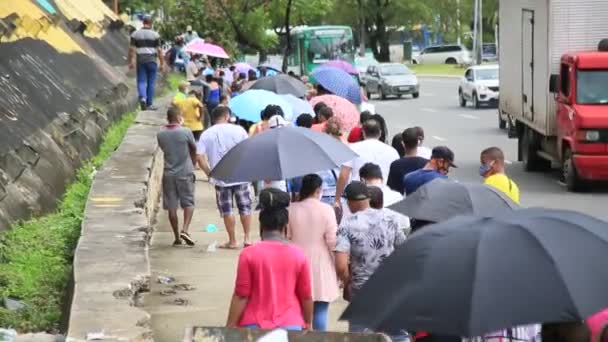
(36, 255)
(437, 69)
(174, 79)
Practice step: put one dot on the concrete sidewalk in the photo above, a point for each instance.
(212, 274)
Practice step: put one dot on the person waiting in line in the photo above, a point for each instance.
(179, 151)
(273, 281)
(356, 134)
(182, 91)
(364, 240)
(492, 169)
(317, 109)
(313, 227)
(371, 175)
(397, 144)
(305, 120)
(423, 151)
(442, 159)
(383, 127)
(410, 162)
(325, 114)
(192, 110)
(212, 99)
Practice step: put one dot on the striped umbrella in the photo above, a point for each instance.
(338, 82)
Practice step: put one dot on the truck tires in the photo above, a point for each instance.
(569, 173)
(529, 147)
(502, 124)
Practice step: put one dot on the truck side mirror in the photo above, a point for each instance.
(554, 84)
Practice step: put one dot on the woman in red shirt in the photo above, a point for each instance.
(273, 286)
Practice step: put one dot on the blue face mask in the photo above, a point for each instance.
(484, 169)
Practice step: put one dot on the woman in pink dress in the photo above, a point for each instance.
(273, 285)
(312, 226)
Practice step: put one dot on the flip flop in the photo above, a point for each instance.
(186, 237)
(245, 245)
(227, 245)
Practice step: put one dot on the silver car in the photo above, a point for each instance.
(388, 79)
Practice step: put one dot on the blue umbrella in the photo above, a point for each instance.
(339, 82)
(249, 105)
(298, 106)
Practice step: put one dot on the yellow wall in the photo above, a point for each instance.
(34, 23)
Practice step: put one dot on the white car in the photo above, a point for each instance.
(479, 86)
(445, 54)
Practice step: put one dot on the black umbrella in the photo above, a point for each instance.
(281, 153)
(442, 199)
(281, 84)
(469, 275)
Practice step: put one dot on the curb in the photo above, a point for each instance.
(439, 76)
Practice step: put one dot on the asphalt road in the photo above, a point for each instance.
(468, 131)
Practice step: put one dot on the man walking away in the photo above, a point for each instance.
(410, 162)
(366, 238)
(493, 170)
(179, 149)
(370, 150)
(442, 159)
(213, 145)
(145, 50)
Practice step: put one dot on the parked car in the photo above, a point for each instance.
(445, 54)
(479, 86)
(388, 79)
(362, 63)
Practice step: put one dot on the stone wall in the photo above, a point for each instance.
(111, 265)
(62, 83)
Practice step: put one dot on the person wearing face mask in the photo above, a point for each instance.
(493, 170)
(442, 159)
(313, 226)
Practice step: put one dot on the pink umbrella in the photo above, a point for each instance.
(243, 68)
(198, 46)
(345, 66)
(346, 112)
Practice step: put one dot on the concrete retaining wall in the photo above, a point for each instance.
(62, 82)
(111, 265)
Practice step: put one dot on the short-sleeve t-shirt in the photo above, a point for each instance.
(416, 179)
(501, 182)
(369, 237)
(175, 142)
(146, 42)
(275, 277)
(190, 108)
(372, 151)
(400, 168)
(191, 71)
(216, 141)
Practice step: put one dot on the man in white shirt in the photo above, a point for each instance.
(213, 145)
(370, 150)
(371, 175)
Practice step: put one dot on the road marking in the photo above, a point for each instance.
(508, 162)
(469, 116)
(438, 138)
(430, 110)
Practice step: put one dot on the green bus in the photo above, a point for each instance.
(312, 46)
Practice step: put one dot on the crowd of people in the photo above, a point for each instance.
(323, 234)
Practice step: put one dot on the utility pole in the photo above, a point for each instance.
(480, 26)
(458, 29)
(475, 30)
(116, 7)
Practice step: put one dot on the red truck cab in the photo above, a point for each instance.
(581, 95)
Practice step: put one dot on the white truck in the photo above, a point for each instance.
(554, 85)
